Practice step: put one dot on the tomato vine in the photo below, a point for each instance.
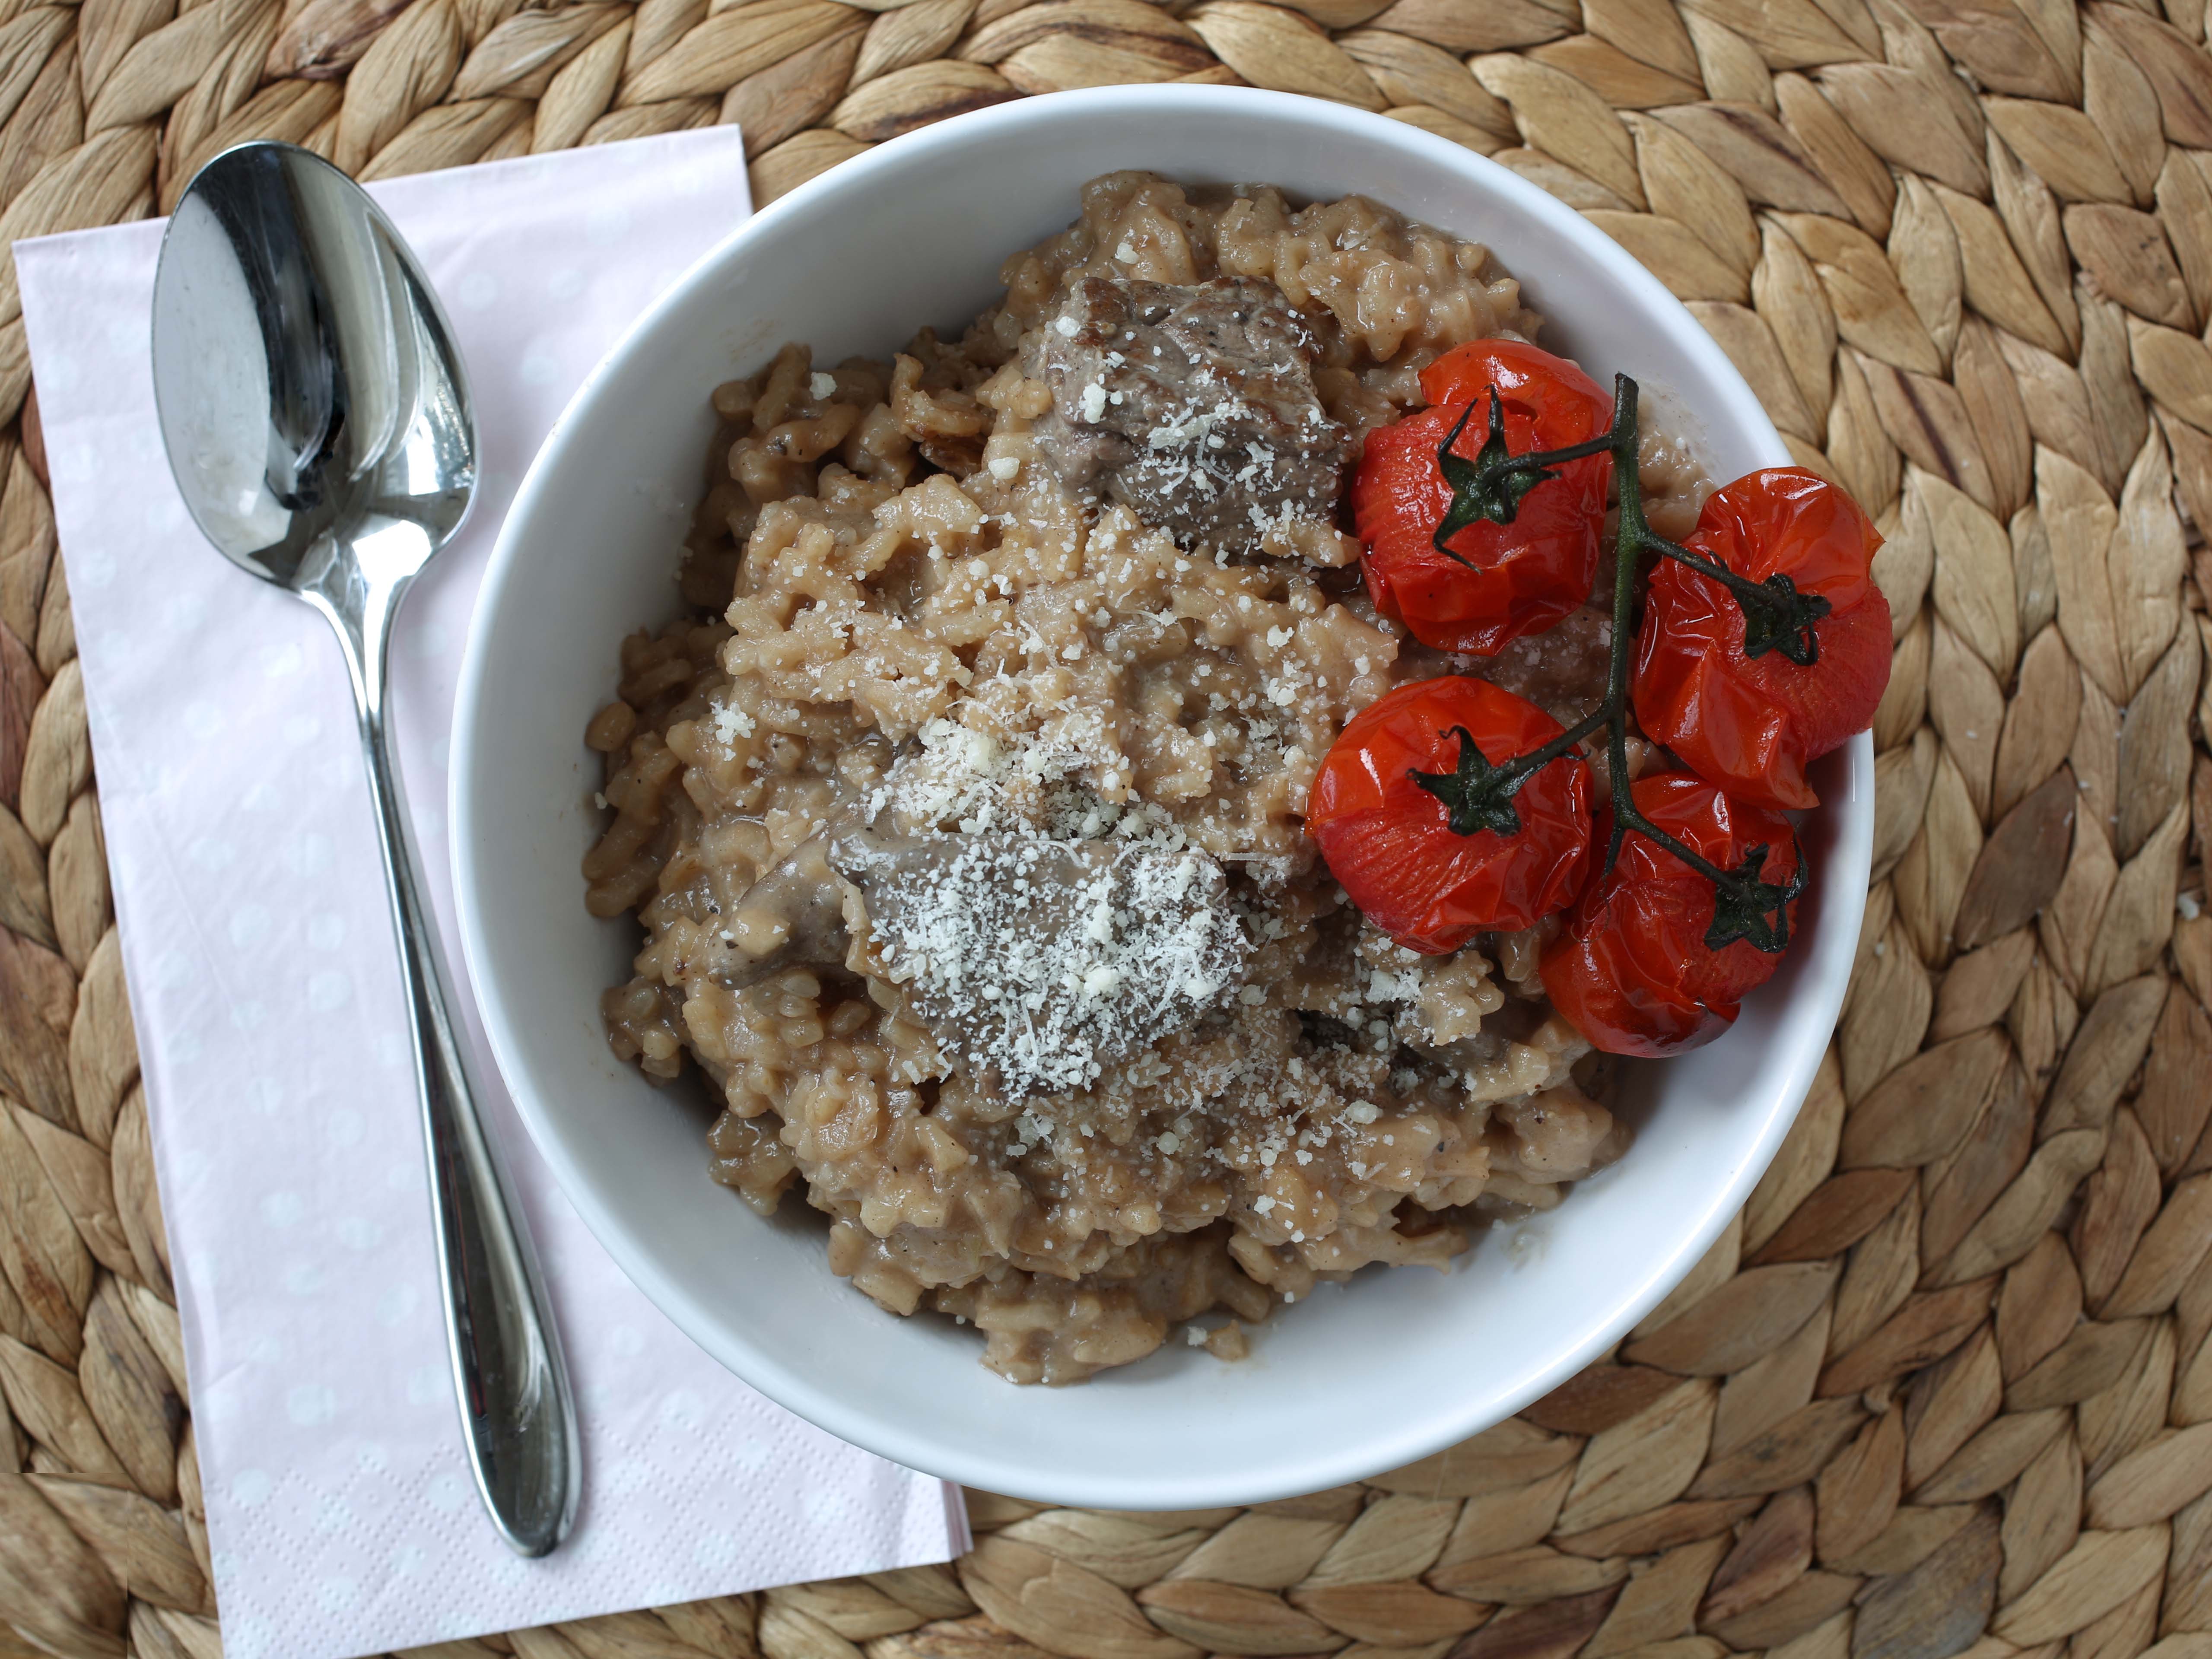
(1479, 794)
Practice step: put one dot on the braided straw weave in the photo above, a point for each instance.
(1945, 1385)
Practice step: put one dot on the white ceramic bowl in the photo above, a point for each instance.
(1364, 1377)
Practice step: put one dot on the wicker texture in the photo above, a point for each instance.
(1945, 1385)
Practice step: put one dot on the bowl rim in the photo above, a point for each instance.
(1320, 1461)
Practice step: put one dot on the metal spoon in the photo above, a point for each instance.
(316, 416)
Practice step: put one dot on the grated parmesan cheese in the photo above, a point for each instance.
(1034, 960)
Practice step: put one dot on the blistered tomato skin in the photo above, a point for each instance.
(1388, 839)
(1597, 985)
(1754, 724)
(1518, 578)
(1632, 970)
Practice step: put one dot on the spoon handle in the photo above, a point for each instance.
(507, 1368)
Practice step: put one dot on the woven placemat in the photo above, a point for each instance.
(1945, 1385)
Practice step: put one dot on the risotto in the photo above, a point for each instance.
(963, 817)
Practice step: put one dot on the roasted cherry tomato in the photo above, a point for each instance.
(1430, 857)
(1752, 723)
(1632, 969)
(1517, 578)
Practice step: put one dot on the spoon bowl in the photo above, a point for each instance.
(306, 383)
(316, 415)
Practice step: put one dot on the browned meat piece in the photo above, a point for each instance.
(799, 900)
(793, 915)
(1561, 671)
(1033, 960)
(1194, 407)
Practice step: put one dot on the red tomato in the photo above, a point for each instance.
(1632, 968)
(1752, 724)
(1519, 577)
(1389, 838)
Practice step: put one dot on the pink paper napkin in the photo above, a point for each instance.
(341, 1513)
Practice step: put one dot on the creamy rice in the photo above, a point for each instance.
(962, 819)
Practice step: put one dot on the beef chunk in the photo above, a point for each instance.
(801, 894)
(1033, 960)
(792, 916)
(1562, 670)
(1194, 407)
